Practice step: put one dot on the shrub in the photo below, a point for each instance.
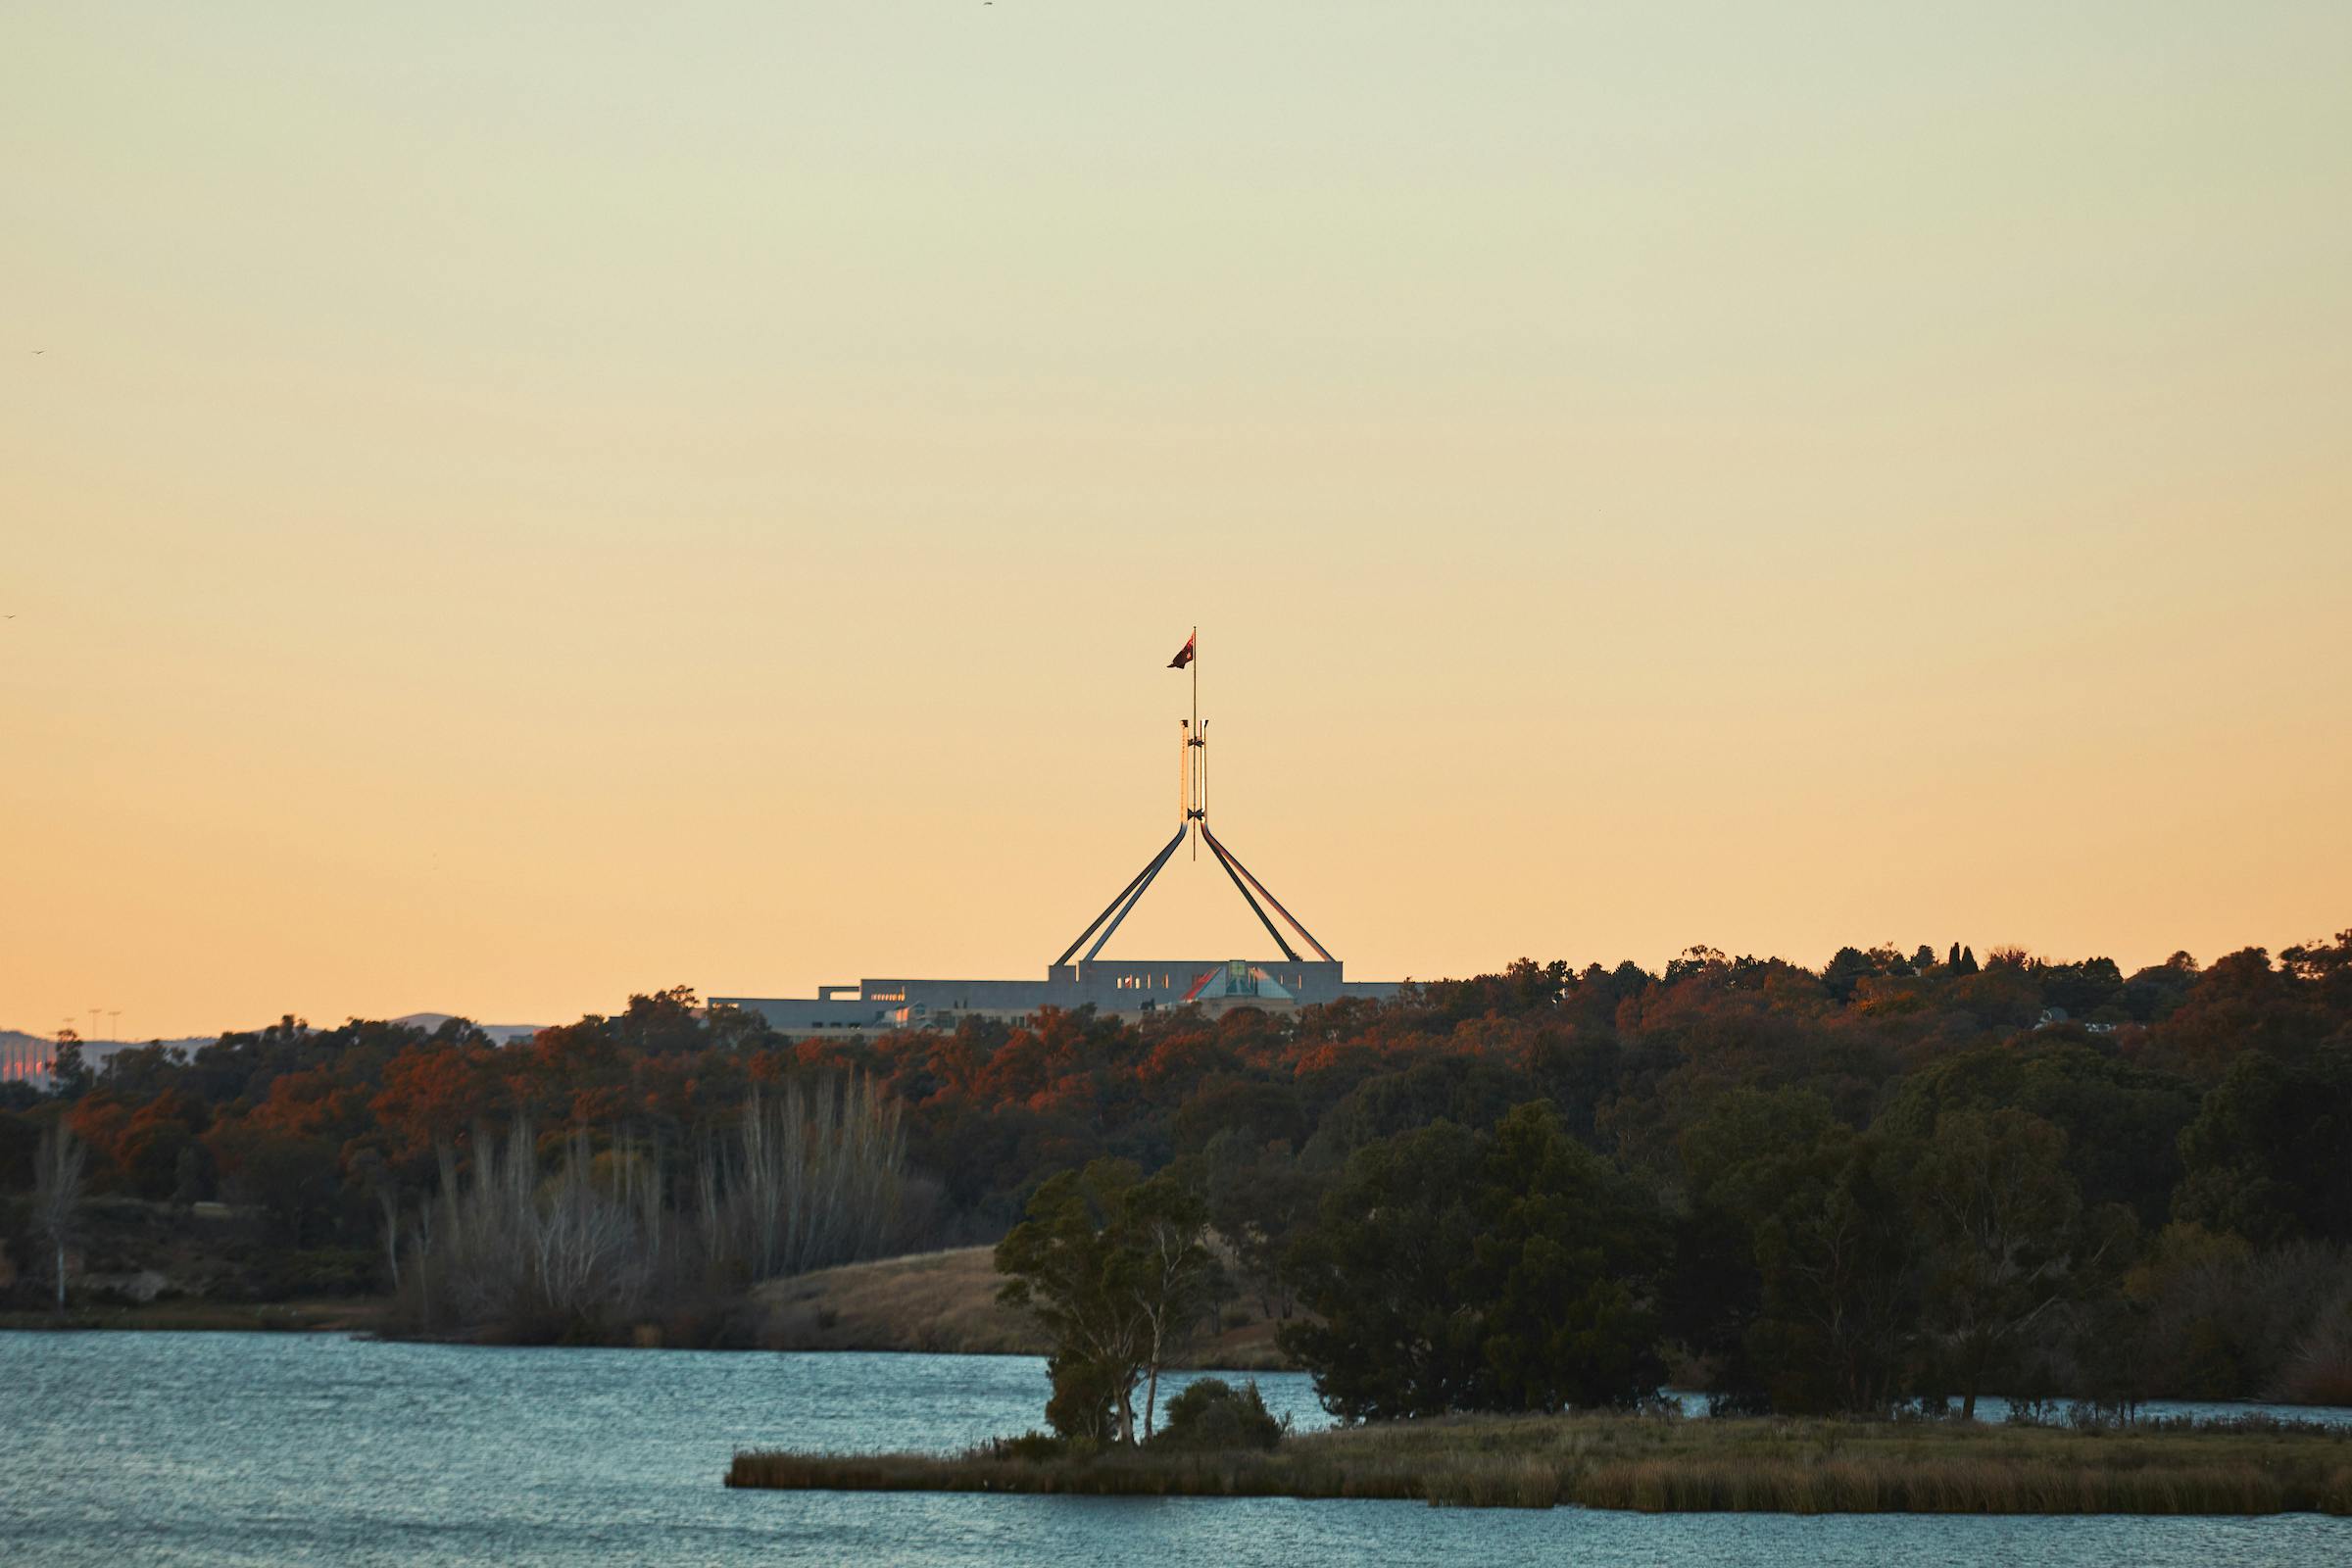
(321, 1271)
(1212, 1413)
(1034, 1447)
(1086, 1393)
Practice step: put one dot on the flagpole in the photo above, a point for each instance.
(1197, 739)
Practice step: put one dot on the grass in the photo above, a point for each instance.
(338, 1314)
(1662, 1465)
(944, 1303)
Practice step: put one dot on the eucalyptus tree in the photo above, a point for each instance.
(1117, 1271)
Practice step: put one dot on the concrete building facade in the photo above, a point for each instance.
(1122, 986)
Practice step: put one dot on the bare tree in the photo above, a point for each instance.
(814, 1177)
(57, 1194)
(587, 1238)
(384, 1184)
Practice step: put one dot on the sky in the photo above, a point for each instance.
(505, 505)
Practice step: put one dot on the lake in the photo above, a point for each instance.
(240, 1448)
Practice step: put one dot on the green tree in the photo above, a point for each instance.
(2266, 1155)
(68, 1070)
(1566, 1257)
(1212, 1415)
(1117, 1271)
(1510, 1270)
(1730, 1158)
(1838, 1261)
(1261, 1201)
(1384, 1266)
(2008, 1236)
(2121, 1122)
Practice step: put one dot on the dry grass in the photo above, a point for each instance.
(1660, 1464)
(333, 1315)
(944, 1303)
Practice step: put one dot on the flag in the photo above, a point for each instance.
(1184, 655)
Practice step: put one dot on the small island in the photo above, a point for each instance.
(1478, 1360)
(1660, 1464)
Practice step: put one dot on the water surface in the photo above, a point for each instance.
(236, 1448)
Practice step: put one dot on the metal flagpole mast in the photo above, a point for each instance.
(1197, 739)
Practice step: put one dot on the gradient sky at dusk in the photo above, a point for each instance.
(519, 503)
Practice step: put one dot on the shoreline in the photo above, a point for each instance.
(194, 1315)
(1645, 1463)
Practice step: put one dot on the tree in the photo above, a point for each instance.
(1838, 1257)
(2007, 1232)
(57, 1194)
(1384, 1267)
(1729, 1158)
(293, 1178)
(154, 1139)
(68, 1070)
(1845, 970)
(383, 1185)
(1261, 1201)
(2121, 1122)
(1116, 1269)
(1212, 1415)
(2266, 1155)
(1450, 1270)
(1566, 1258)
(1171, 1274)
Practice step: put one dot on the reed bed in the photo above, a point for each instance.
(1656, 1465)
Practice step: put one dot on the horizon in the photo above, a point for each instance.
(519, 510)
(701, 995)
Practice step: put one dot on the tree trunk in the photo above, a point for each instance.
(392, 1238)
(1151, 1373)
(1977, 1356)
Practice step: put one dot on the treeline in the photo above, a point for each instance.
(1904, 1173)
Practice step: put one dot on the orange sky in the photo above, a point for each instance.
(518, 504)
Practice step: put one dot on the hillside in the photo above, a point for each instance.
(946, 1303)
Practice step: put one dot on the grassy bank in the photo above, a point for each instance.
(946, 1303)
(1658, 1464)
(340, 1315)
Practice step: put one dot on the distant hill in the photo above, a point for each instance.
(506, 1034)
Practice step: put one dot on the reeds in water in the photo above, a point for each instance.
(1662, 1465)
